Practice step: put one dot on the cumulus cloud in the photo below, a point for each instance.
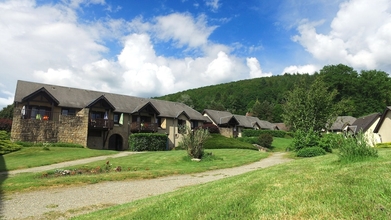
(46, 43)
(255, 68)
(310, 69)
(360, 36)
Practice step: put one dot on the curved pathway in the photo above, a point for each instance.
(73, 201)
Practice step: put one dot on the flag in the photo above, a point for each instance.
(121, 119)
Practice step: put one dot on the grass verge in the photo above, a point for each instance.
(314, 188)
(218, 141)
(137, 166)
(40, 156)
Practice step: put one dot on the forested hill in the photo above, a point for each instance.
(365, 92)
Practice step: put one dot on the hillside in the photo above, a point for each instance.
(366, 92)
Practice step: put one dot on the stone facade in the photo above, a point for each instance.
(69, 129)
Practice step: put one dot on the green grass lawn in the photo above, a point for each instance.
(280, 144)
(220, 141)
(137, 166)
(313, 188)
(37, 156)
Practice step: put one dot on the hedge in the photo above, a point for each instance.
(257, 133)
(147, 142)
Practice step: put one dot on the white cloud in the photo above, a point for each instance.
(255, 68)
(310, 69)
(184, 29)
(213, 4)
(360, 36)
(46, 43)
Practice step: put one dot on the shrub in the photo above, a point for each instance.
(250, 140)
(218, 141)
(311, 152)
(193, 142)
(328, 142)
(147, 142)
(6, 146)
(265, 140)
(5, 124)
(356, 148)
(304, 139)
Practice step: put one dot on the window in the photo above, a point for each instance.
(97, 115)
(68, 111)
(116, 118)
(39, 112)
(136, 118)
(181, 126)
(194, 124)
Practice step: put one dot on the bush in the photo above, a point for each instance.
(274, 133)
(356, 148)
(304, 139)
(5, 124)
(193, 142)
(329, 141)
(265, 140)
(311, 152)
(147, 142)
(6, 146)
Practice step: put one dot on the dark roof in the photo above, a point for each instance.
(383, 116)
(342, 121)
(281, 126)
(223, 117)
(364, 123)
(81, 98)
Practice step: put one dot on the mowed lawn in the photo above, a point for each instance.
(39, 156)
(137, 166)
(313, 188)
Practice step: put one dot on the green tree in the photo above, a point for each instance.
(263, 111)
(186, 99)
(310, 106)
(7, 112)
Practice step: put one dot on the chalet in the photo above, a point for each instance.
(232, 125)
(383, 127)
(98, 120)
(341, 123)
(366, 125)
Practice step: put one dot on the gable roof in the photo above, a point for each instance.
(80, 98)
(364, 123)
(41, 90)
(383, 116)
(101, 98)
(220, 117)
(342, 121)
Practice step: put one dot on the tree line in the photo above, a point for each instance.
(361, 93)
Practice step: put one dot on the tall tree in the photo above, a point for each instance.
(310, 107)
(263, 111)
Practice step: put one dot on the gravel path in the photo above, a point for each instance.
(62, 203)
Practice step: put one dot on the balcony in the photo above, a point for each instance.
(103, 124)
(143, 127)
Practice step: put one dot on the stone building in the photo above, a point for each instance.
(98, 120)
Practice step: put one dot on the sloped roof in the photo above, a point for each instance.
(247, 121)
(342, 121)
(281, 126)
(220, 117)
(81, 98)
(364, 123)
(383, 116)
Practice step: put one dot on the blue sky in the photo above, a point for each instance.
(152, 48)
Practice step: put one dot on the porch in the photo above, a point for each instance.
(143, 127)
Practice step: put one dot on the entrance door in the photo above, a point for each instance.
(115, 142)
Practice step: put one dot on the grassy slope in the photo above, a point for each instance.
(315, 188)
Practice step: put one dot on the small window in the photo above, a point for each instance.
(68, 111)
(181, 126)
(116, 118)
(194, 124)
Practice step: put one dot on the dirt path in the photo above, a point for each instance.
(73, 201)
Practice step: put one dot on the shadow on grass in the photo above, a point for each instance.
(3, 176)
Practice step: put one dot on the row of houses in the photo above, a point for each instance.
(376, 127)
(99, 120)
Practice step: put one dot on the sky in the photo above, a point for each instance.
(152, 48)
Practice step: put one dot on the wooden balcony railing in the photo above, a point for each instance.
(101, 124)
(143, 127)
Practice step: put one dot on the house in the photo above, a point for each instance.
(366, 125)
(383, 127)
(341, 123)
(98, 120)
(232, 125)
(281, 127)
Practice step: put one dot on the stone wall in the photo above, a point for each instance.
(69, 129)
(227, 132)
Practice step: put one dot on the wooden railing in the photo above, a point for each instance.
(143, 127)
(101, 124)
